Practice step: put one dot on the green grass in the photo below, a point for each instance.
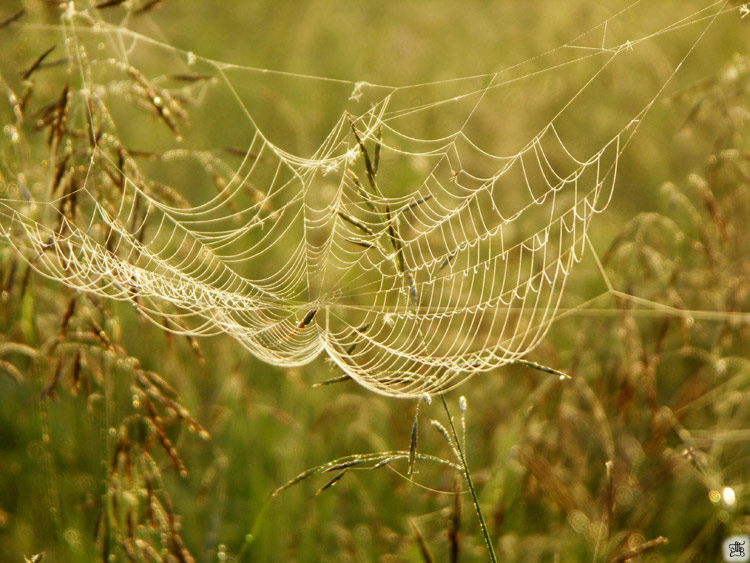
(95, 451)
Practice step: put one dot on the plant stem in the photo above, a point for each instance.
(462, 459)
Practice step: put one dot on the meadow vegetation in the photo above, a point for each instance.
(122, 442)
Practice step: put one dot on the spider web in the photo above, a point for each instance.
(401, 247)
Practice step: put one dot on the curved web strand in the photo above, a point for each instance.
(408, 285)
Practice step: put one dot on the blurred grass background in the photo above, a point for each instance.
(653, 426)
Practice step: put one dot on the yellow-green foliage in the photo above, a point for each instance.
(122, 441)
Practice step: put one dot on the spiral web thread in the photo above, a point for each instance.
(409, 288)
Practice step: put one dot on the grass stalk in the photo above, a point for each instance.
(470, 483)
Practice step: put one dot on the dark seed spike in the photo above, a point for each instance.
(15, 17)
(360, 190)
(93, 136)
(333, 380)
(192, 78)
(20, 107)
(195, 346)
(645, 546)
(376, 156)
(54, 62)
(392, 227)
(67, 316)
(240, 152)
(100, 334)
(360, 329)
(542, 368)
(77, 371)
(59, 173)
(44, 122)
(395, 240)
(29, 71)
(161, 436)
(121, 156)
(147, 6)
(383, 462)
(412, 288)
(447, 261)
(343, 465)
(69, 200)
(423, 548)
(159, 100)
(155, 380)
(308, 318)
(366, 157)
(359, 224)
(301, 477)
(419, 201)
(108, 4)
(413, 443)
(332, 482)
(58, 126)
(51, 389)
(361, 243)
(44, 113)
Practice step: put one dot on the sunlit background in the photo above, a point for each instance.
(121, 441)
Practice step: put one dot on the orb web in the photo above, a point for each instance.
(406, 251)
